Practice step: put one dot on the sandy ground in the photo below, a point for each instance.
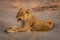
(8, 10)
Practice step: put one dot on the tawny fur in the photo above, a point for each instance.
(31, 23)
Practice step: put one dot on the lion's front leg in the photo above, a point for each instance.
(15, 29)
(12, 29)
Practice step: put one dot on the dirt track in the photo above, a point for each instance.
(8, 10)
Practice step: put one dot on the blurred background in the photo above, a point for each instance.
(43, 9)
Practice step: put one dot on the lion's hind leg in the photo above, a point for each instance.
(51, 23)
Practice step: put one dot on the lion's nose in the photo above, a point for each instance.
(20, 19)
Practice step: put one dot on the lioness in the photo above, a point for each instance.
(31, 23)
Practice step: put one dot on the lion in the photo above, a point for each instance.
(31, 22)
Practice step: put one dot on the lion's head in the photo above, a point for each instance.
(23, 15)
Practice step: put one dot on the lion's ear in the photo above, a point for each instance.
(20, 10)
(27, 11)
